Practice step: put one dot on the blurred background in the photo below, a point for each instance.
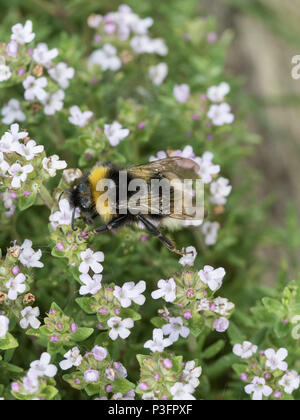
(266, 38)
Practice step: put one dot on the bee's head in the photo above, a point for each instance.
(80, 197)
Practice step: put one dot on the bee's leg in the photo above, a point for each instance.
(156, 232)
(114, 224)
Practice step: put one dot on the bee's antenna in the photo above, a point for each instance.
(61, 194)
(73, 220)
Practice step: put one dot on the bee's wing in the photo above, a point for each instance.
(175, 170)
(170, 168)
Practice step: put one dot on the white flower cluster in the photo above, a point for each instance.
(220, 112)
(219, 189)
(39, 370)
(91, 261)
(274, 361)
(35, 85)
(17, 154)
(115, 133)
(17, 283)
(126, 26)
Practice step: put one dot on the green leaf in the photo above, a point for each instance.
(281, 329)
(85, 304)
(239, 368)
(10, 367)
(158, 322)
(26, 202)
(196, 325)
(213, 350)
(130, 313)
(82, 334)
(8, 342)
(274, 306)
(235, 334)
(34, 333)
(92, 389)
(122, 385)
(141, 358)
(49, 393)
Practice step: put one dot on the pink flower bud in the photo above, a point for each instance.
(244, 377)
(103, 311)
(26, 193)
(74, 327)
(12, 48)
(21, 72)
(109, 388)
(221, 325)
(60, 246)
(190, 292)
(54, 339)
(167, 364)
(15, 271)
(188, 314)
(15, 387)
(144, 386)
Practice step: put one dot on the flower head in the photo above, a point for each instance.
(166, 290)
(53, 164)
(213, 278)
(34, 88)
(62, 74)
(79, 118)
(23, 34)
(290, 382)
(119, 327)
(175, 328)
(42, 55)
(130, 292)
(92, 285)
(115, 133)
(159, 343)
(12, 112)
(182, 93)
(73, 358)
(182, 392)
(106, 57)
(217, 93)
(275, 360)
(42, 367)
(157, 74)
(189, 257)
(91, 260)
(245, 350)
(16, 286)
(64, 215)
(30, 317)
(220, 114)
(259, 389)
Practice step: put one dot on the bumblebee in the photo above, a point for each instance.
(87, 195)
